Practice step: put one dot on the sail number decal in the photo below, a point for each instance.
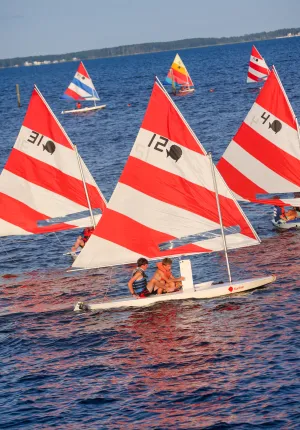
(175, 152)
(37, 138)
(275, 126)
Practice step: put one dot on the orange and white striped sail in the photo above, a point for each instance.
(264, 155)
(258, 69)
(41, 178)
(178, 74)
(165, 193)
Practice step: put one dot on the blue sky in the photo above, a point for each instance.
(36, 27)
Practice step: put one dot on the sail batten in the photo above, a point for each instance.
(41, 178)
(258, 69)
(264, 155)
(165, 192)
(81, 87)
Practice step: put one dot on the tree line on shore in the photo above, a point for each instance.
(144, 48)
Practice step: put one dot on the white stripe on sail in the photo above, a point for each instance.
(257, 172)
(8, 229)
(260, 62)
(257, 73)
(233, 241)
(112, 254)
(63, 157)
(158, 215)
(286, 139)
(38, 198)
(192, 166)
(80, 91)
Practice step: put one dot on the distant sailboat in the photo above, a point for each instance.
(82, 89)
(45, 181)
(263, 159)
(258, 70)
(179, 78)
(185, 209)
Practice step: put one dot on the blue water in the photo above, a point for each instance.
(218, 364)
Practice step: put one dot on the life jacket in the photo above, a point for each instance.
(140, 284)
(166, 272)
(87, 232)
(278, 213)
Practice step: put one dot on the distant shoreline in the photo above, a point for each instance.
(146, 48)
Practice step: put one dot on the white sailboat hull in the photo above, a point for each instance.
(287, 225)
(83, 110)
(206, 290)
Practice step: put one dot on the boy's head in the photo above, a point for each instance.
(142, 262)
(167, 262)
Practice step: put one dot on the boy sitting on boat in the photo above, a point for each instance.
(82, 240)
(138, 285)
(164, 275)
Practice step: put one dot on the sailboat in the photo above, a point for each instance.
(82, 89)
(45, 186)
(170, 201)
(263, 159)
(179, 78)
(258, 70)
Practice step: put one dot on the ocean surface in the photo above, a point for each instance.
(228, 363)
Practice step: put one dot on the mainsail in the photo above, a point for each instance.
(258, 69)
(264, 155)
(178, 74)
(81, 87)
(42, 179)
(165, 192)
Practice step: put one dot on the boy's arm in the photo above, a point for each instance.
(134, 278)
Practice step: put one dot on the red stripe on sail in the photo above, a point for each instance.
(39, 118)
(21, 215)
(273, 99)
(242, 186)
(181, 78)
(254, 77)
(52, 179)
(255, 53)
(73, 94)
(282, 163)
(115, 227)
(238, 182)
(259, 68)
(168, 188)
(82, 70)
(162, 118)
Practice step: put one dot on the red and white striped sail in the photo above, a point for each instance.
(165, 192)
(264, 155)
(258, 69)
(41, 178)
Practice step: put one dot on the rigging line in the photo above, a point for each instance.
(109, 282)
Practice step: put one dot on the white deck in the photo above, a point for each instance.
(83, 110)
(206, 290)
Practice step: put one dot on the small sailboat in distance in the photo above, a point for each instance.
(185, 209)
(82, 89)
(179, 78)
(258, 70)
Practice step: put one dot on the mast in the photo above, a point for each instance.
(219, 213)
(85, 188)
